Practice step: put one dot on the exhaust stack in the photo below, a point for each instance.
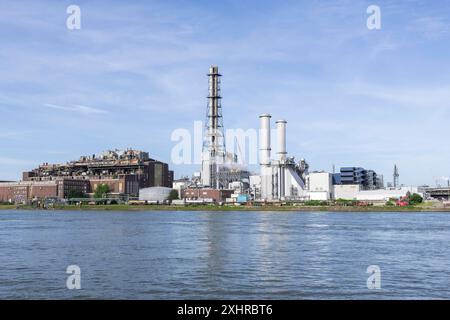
(264, 157)
(264, 138)
(281, 135)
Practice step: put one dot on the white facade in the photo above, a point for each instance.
(354, 192)
(319, 195)
(180, 185)
(347, 191)
(320, 186)
(237, 186)
(385, 194)
(255, 181)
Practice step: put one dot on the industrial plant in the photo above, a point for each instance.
(131, 175)
(280, 179)
(124, 172)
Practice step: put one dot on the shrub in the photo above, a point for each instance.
(101, 191)
(316, 203)
(415, 199)
(173, 195)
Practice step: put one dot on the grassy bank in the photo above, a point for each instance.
(7, 207)
(118, 207)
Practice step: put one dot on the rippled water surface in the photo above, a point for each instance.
(224, 255)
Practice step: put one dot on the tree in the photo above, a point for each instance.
(415, 199)
(101, 191)
(173, 195)
(76, 194)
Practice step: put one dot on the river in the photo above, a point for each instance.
(224, 255)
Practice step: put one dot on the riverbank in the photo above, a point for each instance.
(118, 207)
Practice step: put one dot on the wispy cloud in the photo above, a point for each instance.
(427, 97)
(77, 108)
(288, 58)
(432, 27)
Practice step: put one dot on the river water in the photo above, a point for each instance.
(224, 255)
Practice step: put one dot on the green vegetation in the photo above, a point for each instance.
(173, 195)
(390, 203)
(314, 203)
(76, 194)
(415, 199)
(347, 203)
(101, 191)
(416, 204)
(7, 206)
(225, 208)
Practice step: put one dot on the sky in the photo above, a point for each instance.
(136, 71)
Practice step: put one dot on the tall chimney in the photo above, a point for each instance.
(264, 157)
(264, 139)
(281, 135)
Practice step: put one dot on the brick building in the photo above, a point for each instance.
(22, 192)
(207, 194)
(124, 171)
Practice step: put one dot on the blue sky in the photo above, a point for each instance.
(137, 70)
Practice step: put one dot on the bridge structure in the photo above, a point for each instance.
(438, 192)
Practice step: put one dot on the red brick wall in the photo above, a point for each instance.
(115, 185)
(216, 195)
(14, 193)
(6, 193)
(41, 192)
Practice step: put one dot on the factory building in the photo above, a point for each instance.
(206, 195)
(367, 179)
(440, 193)
(181, 184)
(320, 186)
(124, 171)
(346, 191)
(281, 179)
(356, 192)
(352, 175)
(25, 191)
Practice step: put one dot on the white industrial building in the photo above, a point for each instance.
(346, 191)
(354, 192)
(181, 184)
(320, 186)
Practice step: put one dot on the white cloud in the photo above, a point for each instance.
(431, 27)
(431, 96)
(77, 108)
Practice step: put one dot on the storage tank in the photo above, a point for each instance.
(154, 194)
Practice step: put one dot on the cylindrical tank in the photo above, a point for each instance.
(154, 194)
